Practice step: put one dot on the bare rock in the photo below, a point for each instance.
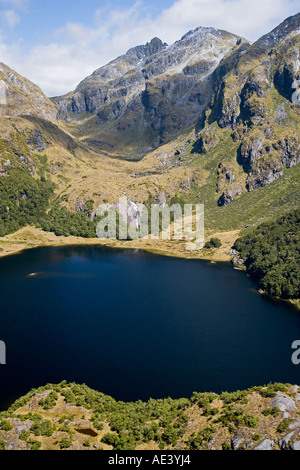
(295, 446)
(236, 442)
(284, 442)
(283, 402)
(267, 444)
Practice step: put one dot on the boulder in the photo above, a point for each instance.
(283, 402)
(236, 442)
(267, 444)
(295, 446)
(284, 442)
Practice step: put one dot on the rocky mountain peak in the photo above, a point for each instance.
(155, 88)
(153, 47)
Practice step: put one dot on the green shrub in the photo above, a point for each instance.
(283, 426)
(250, 421)
(5, 426)
(65, 443)
(24, 435)
(270, 411)
(42, 428)
(213, 243)
(226, 446)
(35, 445)
(197, 440)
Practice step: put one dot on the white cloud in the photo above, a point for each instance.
(78, 50)
(10, 18)
(19, 4)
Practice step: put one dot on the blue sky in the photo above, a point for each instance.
(57, 43)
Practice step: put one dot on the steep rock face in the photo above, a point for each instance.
(153, 91)
(19, 96)
(257, 100)
(265, 159)
(109, 88)
(273, 61)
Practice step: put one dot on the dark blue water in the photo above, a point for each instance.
(135, 325)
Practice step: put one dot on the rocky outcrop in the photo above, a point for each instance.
(295, 446)
(283, 443)
(230, 195)
(227, 184)
(236, 442)
(206, 142)
(264, 159)
(267, 444)
(283, 402)
(272, 61)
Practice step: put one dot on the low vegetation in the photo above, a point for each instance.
(72, 416)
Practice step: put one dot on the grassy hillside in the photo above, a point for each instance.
(71, 416)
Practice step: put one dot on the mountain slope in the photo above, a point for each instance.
(19, 96)
(149, 95)
(254, 103)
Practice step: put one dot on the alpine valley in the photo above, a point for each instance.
(212, 119)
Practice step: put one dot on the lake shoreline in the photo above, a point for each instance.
(32, 237)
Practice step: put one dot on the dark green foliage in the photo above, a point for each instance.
(270, 411)
(272, 256)
(2, 445)
(120, 441)
(22, 401)
(5, 425)
(250, 421)
(65, 443)
(283, 426)
(170, 435)
(235, 397)
(203, 399)
(197, 440)
(49, 402)
(213, 243)
(26, 200)
(271, 390)
(235, 417)
(110, 439)
(24, 435)
(226, 446)
(65, 223)
(42, 427)
(23, 200)
(35, 445)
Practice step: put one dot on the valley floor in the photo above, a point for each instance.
(31, 237)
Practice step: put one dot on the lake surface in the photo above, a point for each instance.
(135, 325)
